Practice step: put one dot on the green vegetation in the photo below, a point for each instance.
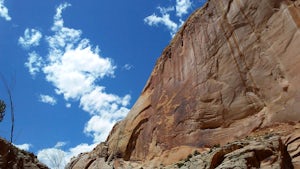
(196, 152)
(179, 165)
(188, 158)
(217, 146)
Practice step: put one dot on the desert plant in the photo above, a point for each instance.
(196, 152)
(217, 146)
(188, 158)
(180, 164)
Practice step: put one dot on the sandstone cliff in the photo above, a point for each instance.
(13, 158)
(232, 70)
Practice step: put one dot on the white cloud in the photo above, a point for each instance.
(57, 158)
(25, 147)
(75, 68)
(74, 64)
(182, 7)
(31, 38)
(34, 63)
(154, 20)
(47, 99)
(81, 148)
(127, 67)
(60, 144)
(58, 21)
(164, 10)
(4, 11)
(53, 157)
(170, 17)
(68, 105)
(98, 127)
(97, 101)
(106, 109)
(74, 72)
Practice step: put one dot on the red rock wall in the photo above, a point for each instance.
(232, 68)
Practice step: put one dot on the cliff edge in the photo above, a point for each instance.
(13, 158)
(231, 71)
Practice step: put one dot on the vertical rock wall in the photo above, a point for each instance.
(231, 69)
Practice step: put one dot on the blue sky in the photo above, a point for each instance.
(76, 67)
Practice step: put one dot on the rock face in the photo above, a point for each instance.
(231, 69)
(257, 152)
(13, 158)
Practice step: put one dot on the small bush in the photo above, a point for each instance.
(217, 145)
(179, 165)
(196, 152)
(188, 157)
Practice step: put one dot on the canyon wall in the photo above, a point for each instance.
(232, 69)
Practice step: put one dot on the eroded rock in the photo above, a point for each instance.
(266, 152)
(233, 68)
(13, 158)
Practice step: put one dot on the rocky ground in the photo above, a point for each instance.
(273, 147)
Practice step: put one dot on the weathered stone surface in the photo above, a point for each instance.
(94, 160)
(233, 68)
(88, 162)
(267, 152)
(13, 158)
(293, 145)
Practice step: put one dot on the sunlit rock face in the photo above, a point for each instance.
(233, 68)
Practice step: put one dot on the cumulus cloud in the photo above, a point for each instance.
(25, 146)
(99, 101)
(155, 20)
(47, 99)
(34, 63)
(75, 68)
(4, 11)
(176, 12)
(31, 38)
(74, 64)
(106, 109)
(182, 7)
(57, 158)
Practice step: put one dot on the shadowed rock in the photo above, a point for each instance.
(13, 158)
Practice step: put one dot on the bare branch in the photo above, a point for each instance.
(8, 90)
(2, 109)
